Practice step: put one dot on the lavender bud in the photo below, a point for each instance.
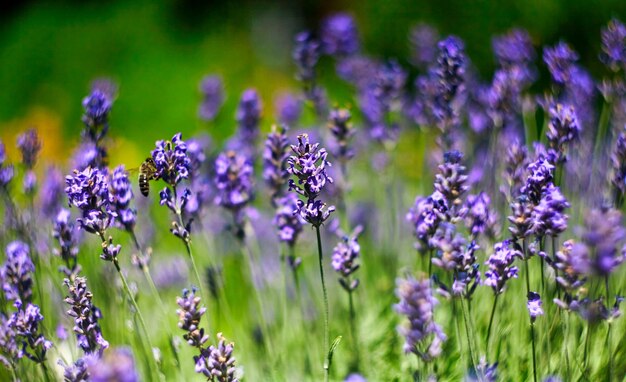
(116, 365)
(189, 316)
(233, 181)
(340, 36)
(345, 255)
(614, 45)
(30, 146)
(86, 316)
(423, 336)
(548, 218)
(25, 322)
(501, 267)
(121, 196)
(248, 117)
(17, 273)
(560, 60)
(275, 160)
(534, 305)
(563, 128)
(451, 180)
(67, 237)
(217, 362)
(423, 39)
(306, 53)
(287, 219)
(425, 216)
(212, 91)
(342, 130)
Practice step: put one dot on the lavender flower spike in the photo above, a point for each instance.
(121, 196)
(30, 146)
(308, 165)
(217, 362)
(614, 45)
(501, 267)
(212, 91)
(117, 365)
(17, 273)
(171, 160)
(534, 305)
(288, 222)
(275, 161)
(6, 169)
(26, 324)
(344, 257)
(248, 117)
(233, 181)
(340, 36)
(189, 315)
(423, 336)
(86, 316)
(562, 129)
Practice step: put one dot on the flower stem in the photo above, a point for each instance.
(326, 330)
(532, 336)
(493, 313)
(467, 334)
(357, 357)
(608, 333)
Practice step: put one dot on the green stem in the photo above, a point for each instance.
(608, 333)
(467, 334)
(326, 329)
(44, 368)
(357, 357)
(493, 313)
(532, 336)
(603, 125)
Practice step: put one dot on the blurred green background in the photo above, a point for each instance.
(159, 51)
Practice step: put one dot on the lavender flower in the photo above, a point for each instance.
(618, 161)
(306, 53)
(189, 316)
(76, 372)
(171, 160)
(217, 362)
(17, 273)
(97, 106)
(516, 164)
(513, 48)
(308, 165)
(563, 128)
(121, 195)
(540, 174)
(547, 217)
(30, 146)
(9, 350)
(116, 365)
(233, 181)
(50, 201)
(560, 60)
(483, 372)
(275, 160)
(288, 109)
(500, 264)
(340, 36)
(423, 336)
(534, 305)
(451, 180)
(479, 218)
(212, 91)
(574, 264)
(614, 45)
(248, 117)
(67, 237)
(88, 190)
(450, 70)
(602, 233)
(341, 129)
(287, 219)
(6, 169)
(425, 216)
(86, 316)
(25, 322)
(521, 219)
(423, 39)
(344, 257)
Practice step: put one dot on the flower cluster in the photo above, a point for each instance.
(306, 53)
(287, 219)
(500, 263)
(6, 169)
(217, 362)
(341, 129)
(601, 236)
(67, 236)
(340, 36)
(275, 161)
(171, 160)
(97, 106)
(29, 146)
(478, 216)
(563, 128)
(451, 180)
(423, 335)
(561, 60)
(16, 273)
(85, 315)
(450, 71)
(344, 257)
(121, 196)
(189, 315)
(116, 365)
(25, 323)
(534, 305)
(233, 183)
(614, 45)
(212, 91)
(540, 174)
(248, 117)
(423, 39)
(308, 165)
(425, 216)
(548, 217)
(88, 190)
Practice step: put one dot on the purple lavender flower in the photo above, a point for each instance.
(425, 216)
(287, 219)
(614, 45)
(479, 218)
(602, 233)
(30, 146)
(573, 263)
(357, 70)
(341, 129)
(540, 174)
(51, 200)
(308, 165)
(88, 190)
(97, 106)
(560, 60)
(306, 53)
(6, 169)
(423, 336)
(483, 372)
(121, 195)
(189, 316)
(17, 273)
(217, 362)
(344, 257)
(248, 117)
(563, 128)
(116, 365)
(514, 47)
(25, 322)
(86, 316)
(515, 171)
(423, 39)
(340, 36)
(534, 305)
(233, 181)
(288, 108)
(451, 180)
(355, 377)
(275, 160)
(67, 237)
(171, 160)
(450, 70)
(212, 91)
(548, 218)
(200, 182)
(501, 267)
(9, 350)
(76, 372)
(177, 204)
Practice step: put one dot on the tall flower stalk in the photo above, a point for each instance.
(308, 166)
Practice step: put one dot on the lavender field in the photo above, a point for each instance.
(414, 221)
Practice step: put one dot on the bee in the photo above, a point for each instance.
(147, 172)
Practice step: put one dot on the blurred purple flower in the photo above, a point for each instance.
(25, 322)
(501, 267)
(424, 337)
(451, 181)
(287, 220)
(514, 47)
(212, 91)
(17, 272)
(540, 174)
(306, 53)
(275, 161)
(340, 36)
(50, 201)
(614, 45)
(451, 72)
(478, 216)
(534, 305)
(288, 108)
(563, 128)
(86, 316)
(116, 365)
(248, 117)
(121, 196)
(602, 234)
(233, 182)
(423, 39)
(560, 60)
(217, 362)
(548, 217)
(342, 130)
(6, 169)
(425, 216)
(67, 236)
(29, 145)
(344, 257)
